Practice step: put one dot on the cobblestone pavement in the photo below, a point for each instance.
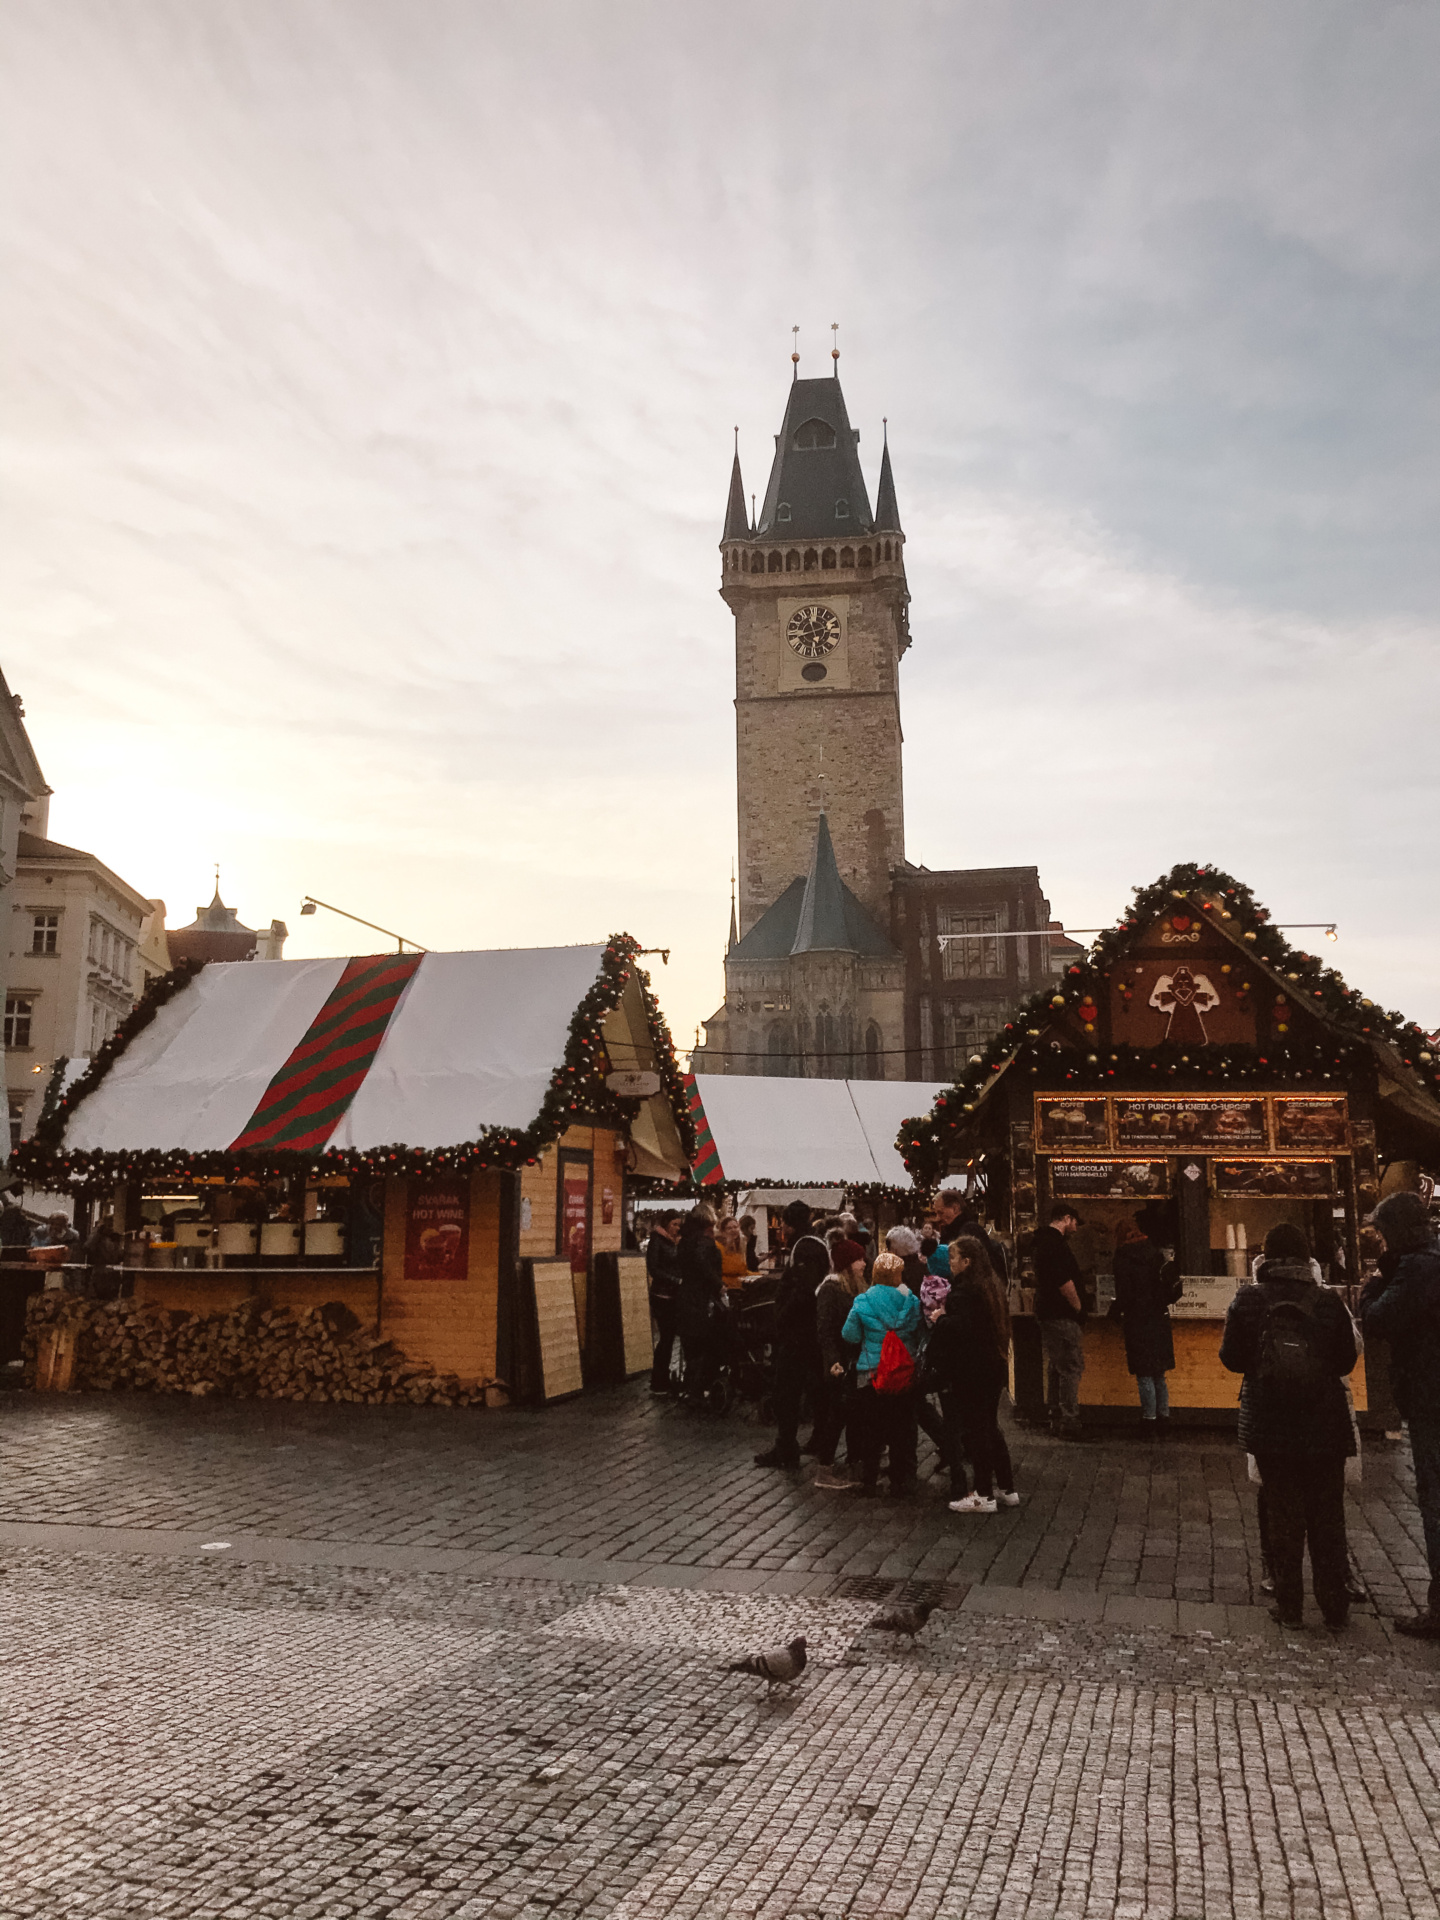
(320, 1662)
(619, 1482)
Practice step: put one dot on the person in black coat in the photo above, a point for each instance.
(700, 1317)
(662, 1271)
(1402, 1305)
(1297, 1425)
(967, 1357)
(1060, 1309)
(1145, 1290)
(796, 1347)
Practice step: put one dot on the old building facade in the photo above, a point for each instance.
(845, 960)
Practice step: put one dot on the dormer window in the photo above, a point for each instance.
(814, 433)
(782, 512)
(842, 509)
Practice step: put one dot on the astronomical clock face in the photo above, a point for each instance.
(812, 632)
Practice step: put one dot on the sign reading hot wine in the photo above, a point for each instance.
(437, 1230)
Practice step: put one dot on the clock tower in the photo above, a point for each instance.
(820, 602)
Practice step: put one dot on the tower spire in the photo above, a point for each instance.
(734, 929)
(887, 512)
(795, 354)
(737, 521)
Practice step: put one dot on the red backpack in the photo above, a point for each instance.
(896, 1371)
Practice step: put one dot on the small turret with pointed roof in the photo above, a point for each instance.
(887, 511)
(737, 520)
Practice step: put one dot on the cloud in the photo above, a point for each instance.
(370, 378)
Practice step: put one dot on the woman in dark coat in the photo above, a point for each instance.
(700, 1313)
(968, 1358)
(797, 1347)
(1143, 1298)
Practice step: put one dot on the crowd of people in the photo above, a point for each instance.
(873, 1342)
(879, 1342)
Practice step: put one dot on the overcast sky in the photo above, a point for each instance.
(370, 369)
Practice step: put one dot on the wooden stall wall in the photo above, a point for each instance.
(539, 1239)
(448, 1323)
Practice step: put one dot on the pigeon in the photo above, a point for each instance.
(906, 1620)
(776, 1666)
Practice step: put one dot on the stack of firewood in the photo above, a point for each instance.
(250, 1352)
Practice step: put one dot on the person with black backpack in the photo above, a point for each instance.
(1294, 1342)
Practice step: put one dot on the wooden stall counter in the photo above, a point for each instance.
(1199, 1385)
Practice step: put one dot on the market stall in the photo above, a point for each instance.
(436, 1144)
(770, 1141)
(1201, 1069)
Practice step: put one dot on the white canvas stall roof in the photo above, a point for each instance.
(811, 1132)
(472, 1043)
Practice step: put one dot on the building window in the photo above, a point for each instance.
(17, 1021)
(874, 1070)
(842, 509)
(17, 1118)
(782, 512)
(45, 933)
(965, 1031)
(812, 434)
(966, 953)
(778, 1059)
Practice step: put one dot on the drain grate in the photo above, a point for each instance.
(863, 1587)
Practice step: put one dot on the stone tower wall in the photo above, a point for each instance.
(836, 744)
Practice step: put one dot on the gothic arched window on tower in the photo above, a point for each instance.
(842, 509)
(814, 433)
(778, 1060)
(847, 556)
(874, 1067)
(757, 563)
(776, 562)
(782, 512)
(827, 560)
(792, 561)
(865, 557)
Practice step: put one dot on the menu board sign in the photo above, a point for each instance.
(1205, 1296)
(1108, 1179)
(1275, 1179)
(1189, 1126)
(1062, 1123)
(1312, 1125)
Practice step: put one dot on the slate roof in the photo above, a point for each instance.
(737, 518)
(814, 480)
(887, 512)
(816, 914)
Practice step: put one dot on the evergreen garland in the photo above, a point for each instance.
(925, 1142)
(577, 1093)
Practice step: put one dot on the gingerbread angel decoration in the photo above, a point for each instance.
(1187, 997)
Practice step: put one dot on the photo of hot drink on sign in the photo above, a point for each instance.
(437, 1230)
(1064, 1123)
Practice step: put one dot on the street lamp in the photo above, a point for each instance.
(311, 903)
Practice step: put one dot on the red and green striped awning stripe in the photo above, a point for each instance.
(309, 1096)
(706, 1165)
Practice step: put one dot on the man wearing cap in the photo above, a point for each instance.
(1402, 1305)
(1061, 1313)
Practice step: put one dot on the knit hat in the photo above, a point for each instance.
(1286, 1243)
(845, 1253)
(933, 1292)
(1404, 1219)
(939, 1261)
